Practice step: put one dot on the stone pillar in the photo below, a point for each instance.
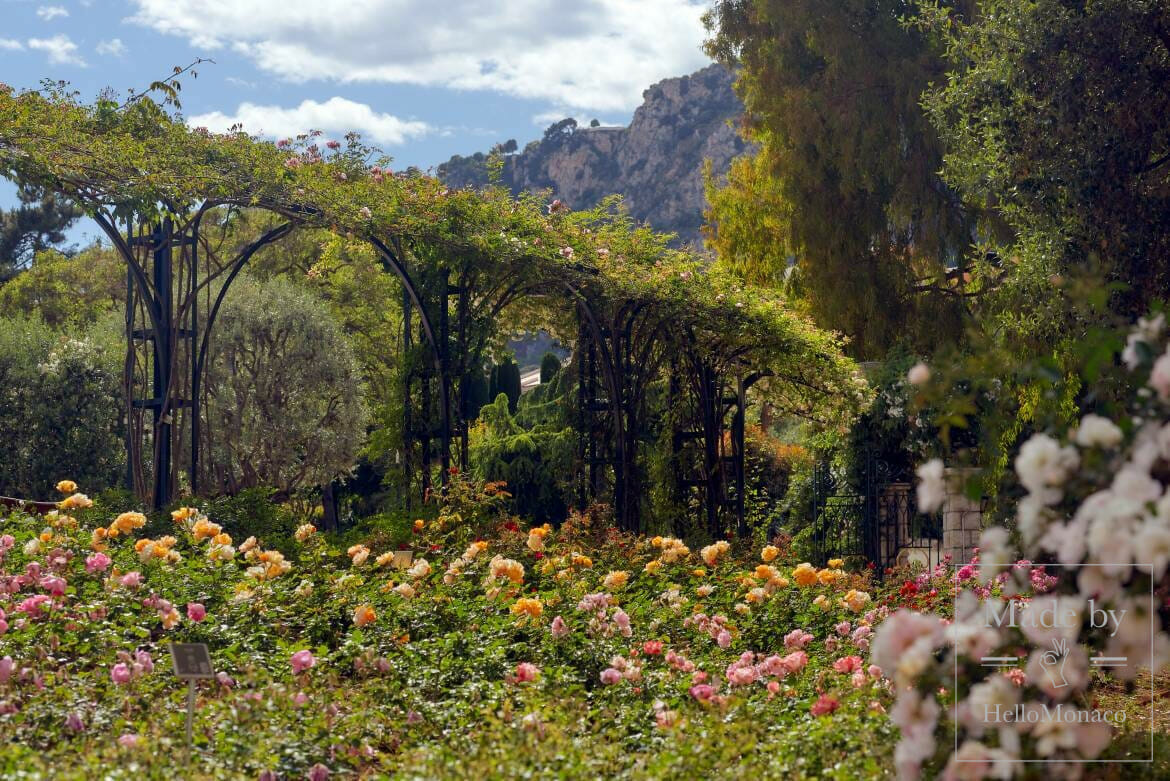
(962, 519)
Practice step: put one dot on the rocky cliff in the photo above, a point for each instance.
(656, 163)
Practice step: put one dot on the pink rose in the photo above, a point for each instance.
(702, 691)
(826, 703)
(132, 579)
(96, 562)
(558, 628)
(128, 740)
(652, 647)
(526, 672)
(848, 664)
(6, 667)
(54, 585)
(843, 628)
(723, 639)
(301, 661)
(797, 639)
(795, 661)
(120, 674)
(196, 612)
(610, 676)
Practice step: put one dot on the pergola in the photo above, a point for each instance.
(640, 313)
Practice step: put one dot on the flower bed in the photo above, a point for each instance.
(498, 651)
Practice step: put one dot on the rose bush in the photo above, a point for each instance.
(497, 649)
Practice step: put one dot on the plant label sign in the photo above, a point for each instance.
(191, 661)
(403, 559)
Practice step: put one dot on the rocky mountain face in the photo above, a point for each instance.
(656, 163)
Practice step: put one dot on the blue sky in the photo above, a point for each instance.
(421, 79)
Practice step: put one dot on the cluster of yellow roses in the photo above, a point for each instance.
(123, 524)
(527, 606)
(74, 500)
(455, 568)
(711, 554)
(672, 550)
(499, 567)
(806, 574)
(536, 537)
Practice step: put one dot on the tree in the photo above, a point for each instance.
(1054, 116)
(60, 407)
(847, 164)
(65, 290)
(285, 405)
(550, 364)
(505, 379)
(39, 222)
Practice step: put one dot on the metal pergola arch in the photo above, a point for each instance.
(238, 172)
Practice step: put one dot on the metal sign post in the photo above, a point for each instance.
(191, 661)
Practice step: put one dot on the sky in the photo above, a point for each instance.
(420, 79)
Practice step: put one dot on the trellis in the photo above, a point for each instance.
(462, 257)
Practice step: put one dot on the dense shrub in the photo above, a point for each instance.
(60, 407)
(285, 393)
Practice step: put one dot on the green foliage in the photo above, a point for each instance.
(36, 224)
(477, 393)
(285, 400)
(846, 180)
(535, 460)
(550, 364)
(505, 379)
(252, 513)
(67, 291)
(1054, 117)
(60, 398)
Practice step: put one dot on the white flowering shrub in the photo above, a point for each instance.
(1096, 510)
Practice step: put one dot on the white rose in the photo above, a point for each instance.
(932, 488)
(1096, 431)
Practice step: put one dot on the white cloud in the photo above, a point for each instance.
(60, 48)
(51, 12)
(10, 45)
(591, 55)
(336, 116)
(113, 48)
(546, 118)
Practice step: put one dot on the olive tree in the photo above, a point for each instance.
(285, 402)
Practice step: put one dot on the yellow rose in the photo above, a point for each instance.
(67, 487)
(769, 553)
(836, 563)
(363, 615)
(804, 574)
(616, 580)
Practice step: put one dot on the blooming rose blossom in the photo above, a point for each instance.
(120, 673)
(526, 672)
(932, 487)
(301, 661)
(97, 562)
(610, 676)
(196, 612)
(824, 705)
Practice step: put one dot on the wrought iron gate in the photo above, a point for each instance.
(875, 520)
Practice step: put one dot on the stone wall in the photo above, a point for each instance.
(962, 519)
